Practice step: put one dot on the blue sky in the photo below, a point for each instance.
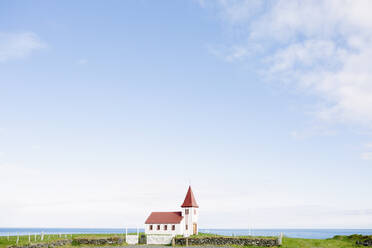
(109, 109)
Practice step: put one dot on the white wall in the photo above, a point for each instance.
(159, 239)
(190, 219)
(131, 239)
(178, 230)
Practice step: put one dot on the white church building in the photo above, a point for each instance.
(183, 222)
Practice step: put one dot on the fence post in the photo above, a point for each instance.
(8, 236)
(173, 242)
(17, 238)
(280, 239)
(29, 237)
(187, 241)
(42, 236)
(35, 236)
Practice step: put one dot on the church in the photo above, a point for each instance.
(183, 222)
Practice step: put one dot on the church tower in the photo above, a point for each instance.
(190, 213)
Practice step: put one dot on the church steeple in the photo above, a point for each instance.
(189, 200)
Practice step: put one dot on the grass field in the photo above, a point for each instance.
(339, 242)
(318, 243)
(24, 240)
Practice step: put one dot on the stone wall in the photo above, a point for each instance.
(362, 240)
(365, 242)
(52, 244)
(98, 241)
(269, 242)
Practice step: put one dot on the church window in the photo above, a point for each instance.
(187, 227)
(165, 227)
(158, 227)
(194, 211)
(186, 211)
(151, 227)
(173, 227)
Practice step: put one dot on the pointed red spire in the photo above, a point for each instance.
(189, 200)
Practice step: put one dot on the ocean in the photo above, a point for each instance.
(293, 233)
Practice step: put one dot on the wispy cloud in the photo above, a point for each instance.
(321, 48)
(18, 45)
(313, 130)
(234, 53)
(235, 11)
(367, 155)
(369, 145)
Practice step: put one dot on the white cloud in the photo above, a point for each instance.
(313, 130)
(230, 54)
(369, 145)
(320, 47)
(367, 155)
(237, 11)
(18, 45)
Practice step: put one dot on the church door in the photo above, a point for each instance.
(195, 229)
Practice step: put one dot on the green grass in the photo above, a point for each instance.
(318, 243)
(313, 243)
(336, 242)
(23, 240)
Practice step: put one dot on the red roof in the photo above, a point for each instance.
(189, 200)
(164, 218)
